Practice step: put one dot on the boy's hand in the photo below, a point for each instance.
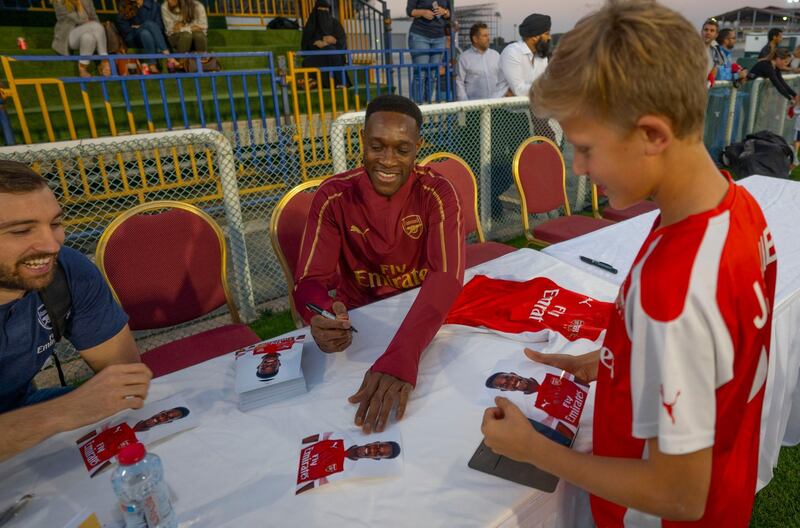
(332, 335)
(584, 367)
(508, 432)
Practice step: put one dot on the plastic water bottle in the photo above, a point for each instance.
(139, 484)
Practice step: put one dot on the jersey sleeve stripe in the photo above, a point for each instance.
(316, 233)
(441, 225)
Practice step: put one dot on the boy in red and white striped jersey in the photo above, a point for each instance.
(682, 370)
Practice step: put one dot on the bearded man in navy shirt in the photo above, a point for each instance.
(31, 239)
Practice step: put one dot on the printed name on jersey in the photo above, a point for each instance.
(766, 250)
(760, 320)
(607, 359)
(403, 280)
(412, 226)
(538, 310)
(47, 346)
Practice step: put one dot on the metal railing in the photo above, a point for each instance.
(734, 112)
(264, 8)
(243, 105)
(320, 94)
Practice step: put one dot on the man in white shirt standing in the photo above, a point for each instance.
(479, 74)
(523, 61)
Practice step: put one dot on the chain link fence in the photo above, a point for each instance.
(237, 175)
(734, 112)
(486, 134)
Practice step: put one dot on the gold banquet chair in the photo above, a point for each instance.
(286, 233)
(541, 179)
(166, 264)
(458, 173)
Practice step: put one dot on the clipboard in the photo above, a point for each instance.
(487, 461)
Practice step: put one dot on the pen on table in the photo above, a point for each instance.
(10, 512)
(599, 264)
(324, 313)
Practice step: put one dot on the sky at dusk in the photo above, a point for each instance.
(566, 12)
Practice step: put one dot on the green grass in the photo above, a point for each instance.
(778, 504)
(272, 324)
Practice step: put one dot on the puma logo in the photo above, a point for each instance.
(356, 229)
(670, 407)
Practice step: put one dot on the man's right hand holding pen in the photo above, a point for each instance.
(332, 335)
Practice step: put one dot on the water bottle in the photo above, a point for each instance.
(139, 484)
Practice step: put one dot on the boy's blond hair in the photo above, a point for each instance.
(631, 58)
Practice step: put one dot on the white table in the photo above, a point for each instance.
(780, 200)
(238, 470)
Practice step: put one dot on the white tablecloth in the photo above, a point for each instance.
(780, 200)
(238, 469)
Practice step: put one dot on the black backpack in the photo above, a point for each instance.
(763, 152)
(57, 301)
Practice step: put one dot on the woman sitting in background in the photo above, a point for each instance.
(78, 28)
(140, 25)
(323, 32)
(186, 25)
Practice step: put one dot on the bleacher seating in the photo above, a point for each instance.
(279, 42)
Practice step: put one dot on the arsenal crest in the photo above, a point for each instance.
(412, 226)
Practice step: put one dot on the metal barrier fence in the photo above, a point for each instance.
(733, 112)
(95, 179)
(350, 12)
(486, 134)
(244, 106)
(264, 8)
(341, 89)
(201, 157)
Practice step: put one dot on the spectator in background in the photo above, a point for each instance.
(770, 68)
(427, 33)
(774, 37)
(78, 28)
(715, 58)
(323, 32)
(185, 24)
(525, 60)
(728, 70)
(479, 74)
(795, 64)
(140, 24)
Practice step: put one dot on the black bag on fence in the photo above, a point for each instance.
(763, 152)
(282, 23)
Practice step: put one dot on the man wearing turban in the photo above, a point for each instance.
(523, 61)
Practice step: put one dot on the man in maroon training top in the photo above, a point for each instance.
(378, 230)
